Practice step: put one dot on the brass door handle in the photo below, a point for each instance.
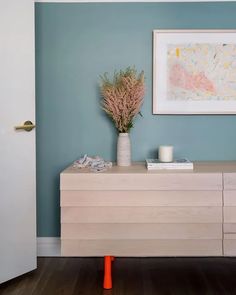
(28, 126)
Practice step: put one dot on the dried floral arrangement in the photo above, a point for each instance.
(123, 97)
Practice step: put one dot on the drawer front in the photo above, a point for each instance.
(140, 181)
(118, 231)
(229, 228)
(141, 214)
(141, 198)
(229, 181)
(230, 247)
(141, 248)
(229, 198)
(230, 214)
(230, 236)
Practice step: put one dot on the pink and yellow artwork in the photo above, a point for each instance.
(199, 71)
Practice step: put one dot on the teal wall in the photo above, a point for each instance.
(75, 43)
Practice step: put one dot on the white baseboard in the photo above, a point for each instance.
(92, 1)
(48, 247)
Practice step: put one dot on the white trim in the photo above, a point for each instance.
(120, 1)
(50, 247)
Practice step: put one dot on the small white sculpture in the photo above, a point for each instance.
(96, 164)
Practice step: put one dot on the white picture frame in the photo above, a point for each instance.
(194, 72)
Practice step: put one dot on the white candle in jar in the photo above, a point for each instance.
(166, 153)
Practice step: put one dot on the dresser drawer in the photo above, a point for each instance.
(230, 244)
(230, 198)
(141, 198)
(141, 215)
(141, 181)
(118, 231)
(229, 181)
(230, 214)
(229, 228)
(132, 248)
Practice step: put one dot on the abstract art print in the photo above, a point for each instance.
(194, 72)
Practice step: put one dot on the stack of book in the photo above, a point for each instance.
(155, 164)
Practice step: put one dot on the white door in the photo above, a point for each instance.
(17, 147)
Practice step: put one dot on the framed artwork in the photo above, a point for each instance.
(194, 72)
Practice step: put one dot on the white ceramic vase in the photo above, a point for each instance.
(123, 150)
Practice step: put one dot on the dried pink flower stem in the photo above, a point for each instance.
(123, 97)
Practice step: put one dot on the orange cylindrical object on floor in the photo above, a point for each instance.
(107, 284)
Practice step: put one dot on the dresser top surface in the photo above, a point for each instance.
(140, 168)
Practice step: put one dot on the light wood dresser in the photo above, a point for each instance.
(130, 211)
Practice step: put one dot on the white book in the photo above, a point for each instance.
(171, 168)
(153, 164)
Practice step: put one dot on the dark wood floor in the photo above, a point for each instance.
(131, 276)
